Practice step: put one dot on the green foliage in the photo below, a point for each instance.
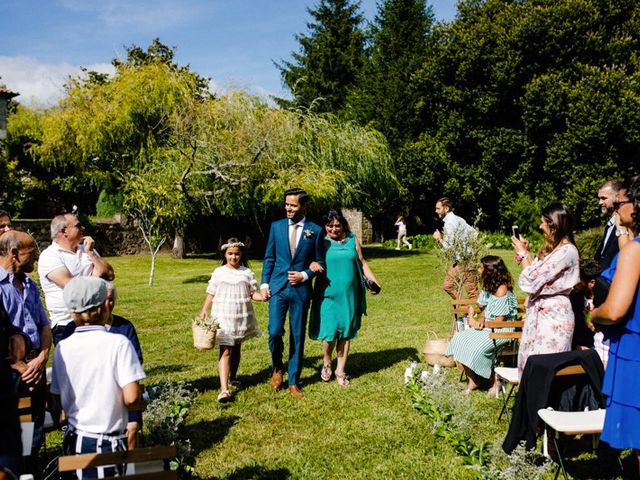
(109, 203)
(421, 242)
(588, 242)
(165, 420)
(330, 57)
(522, 103)
(384, 97)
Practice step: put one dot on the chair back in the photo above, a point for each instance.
(513, 334)
(460, 309)
(141, 455)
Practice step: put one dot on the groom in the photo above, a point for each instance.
(293, 244)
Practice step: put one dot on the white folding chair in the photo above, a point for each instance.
(506, 376)
(589, 422)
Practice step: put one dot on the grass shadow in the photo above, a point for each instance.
(164, 369)
(361, 363)
(207, 433)
(256, 472)
(382, 253)
(197, 279)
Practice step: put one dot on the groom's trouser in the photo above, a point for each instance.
(290, 300)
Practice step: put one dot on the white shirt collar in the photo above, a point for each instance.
(300, 223)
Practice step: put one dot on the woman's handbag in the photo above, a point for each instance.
(434, 352)
(371, 285)
(204, 333)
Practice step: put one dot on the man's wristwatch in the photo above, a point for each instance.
(621, 231)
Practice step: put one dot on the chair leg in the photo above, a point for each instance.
(505, 402)
(559, 453)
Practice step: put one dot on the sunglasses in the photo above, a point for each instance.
(617, 205)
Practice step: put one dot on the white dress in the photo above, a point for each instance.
(232, 309)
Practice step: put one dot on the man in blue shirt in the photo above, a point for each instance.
(21, 299)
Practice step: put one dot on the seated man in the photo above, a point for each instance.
(95, 375)
(582, 300)
(13, 345)
(118, 324)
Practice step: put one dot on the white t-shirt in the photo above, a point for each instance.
(90, 368)
(53, 257)
(455, 226)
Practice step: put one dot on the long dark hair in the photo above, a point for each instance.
(234, 242)
(494, 274)
(631, 187)
(561, 225)
(336, 214)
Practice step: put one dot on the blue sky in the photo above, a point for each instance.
(232, 41)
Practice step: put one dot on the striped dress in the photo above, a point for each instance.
(473, 348)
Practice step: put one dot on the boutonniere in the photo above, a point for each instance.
(308, 233)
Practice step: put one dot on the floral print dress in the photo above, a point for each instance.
(549, 321)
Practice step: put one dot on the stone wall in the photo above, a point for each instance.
(120, 236)
(360, 225)
(112, 237)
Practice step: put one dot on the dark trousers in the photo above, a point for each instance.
(75, 442)
(38, 404)
(288, 300)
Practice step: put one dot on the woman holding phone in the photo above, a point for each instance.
(548, 278)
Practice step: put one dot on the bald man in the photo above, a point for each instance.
(21, 299)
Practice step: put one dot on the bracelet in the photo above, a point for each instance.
(621, 231)
(520, 256)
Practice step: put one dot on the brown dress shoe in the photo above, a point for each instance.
(295, 391)
(276, 380)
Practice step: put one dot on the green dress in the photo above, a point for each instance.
(339, 296)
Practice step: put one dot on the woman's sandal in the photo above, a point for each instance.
(325, 374)
(224, 396)
(342, 379)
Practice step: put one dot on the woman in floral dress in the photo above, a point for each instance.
(548, 278)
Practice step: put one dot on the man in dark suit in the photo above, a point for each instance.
(608, 247)
(294, 243)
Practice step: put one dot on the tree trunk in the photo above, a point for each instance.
(153, 267)
(178, 250)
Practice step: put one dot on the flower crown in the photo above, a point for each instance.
(231, 245)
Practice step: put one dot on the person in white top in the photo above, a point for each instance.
(402, 233)
(229, 293)
(455, 226)
(95, 375)
(70, 254)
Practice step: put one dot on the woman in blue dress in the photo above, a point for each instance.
(621, 312)
(472, 349)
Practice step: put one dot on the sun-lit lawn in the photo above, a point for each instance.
(367, 431)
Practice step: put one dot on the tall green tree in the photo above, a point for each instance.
(330, 57)
(521, 103)
(385, 97)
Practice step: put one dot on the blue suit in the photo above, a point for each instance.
(286, 297)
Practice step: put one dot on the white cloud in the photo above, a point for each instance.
(41, 84)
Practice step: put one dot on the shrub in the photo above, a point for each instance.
(108, 204)
(421, 241)
(588, 242)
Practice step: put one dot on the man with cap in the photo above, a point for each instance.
(95, 374)
(70, 254)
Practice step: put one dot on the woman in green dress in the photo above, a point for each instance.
(339, 296)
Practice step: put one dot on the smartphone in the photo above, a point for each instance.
(515, 231)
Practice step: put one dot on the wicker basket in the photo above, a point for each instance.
(434, 352)
(203, 338)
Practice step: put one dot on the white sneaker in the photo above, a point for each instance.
(410, 246)
(397, 248)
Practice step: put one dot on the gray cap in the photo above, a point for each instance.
(84, 293)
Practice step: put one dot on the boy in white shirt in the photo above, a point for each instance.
(96, 376)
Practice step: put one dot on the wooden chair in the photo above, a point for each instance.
(139, 456)
(507, 375)
(459, 310)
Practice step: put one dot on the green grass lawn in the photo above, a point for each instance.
(367, 431)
